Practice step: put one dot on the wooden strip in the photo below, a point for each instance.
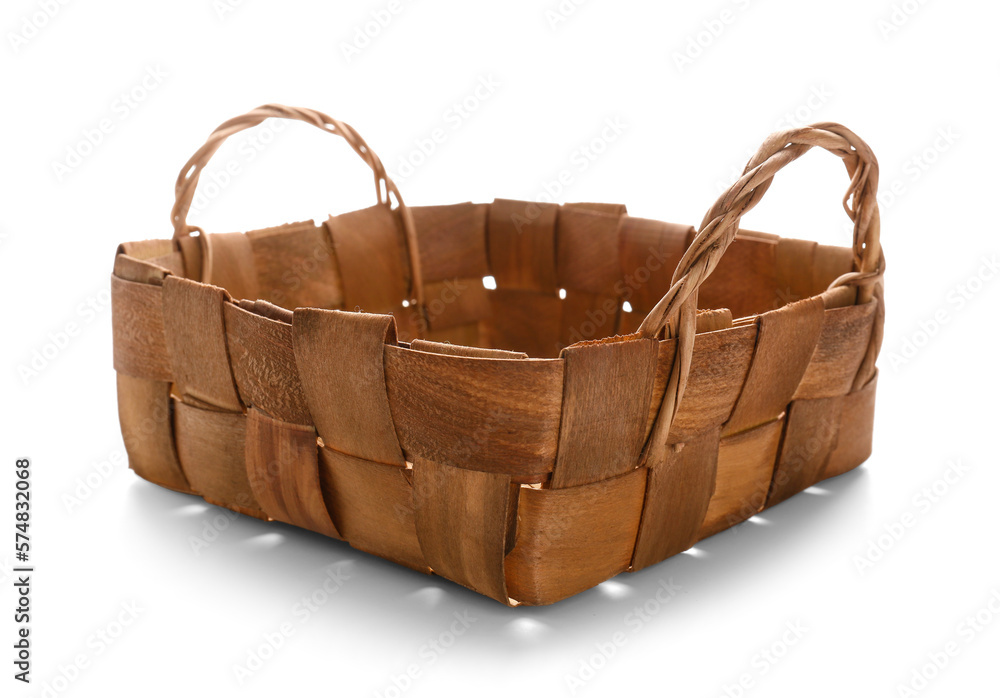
(758, 235)
(340, 361)
(794, 260)
(196, 341)
(462, 520)
(597, 207)
(140, 270)
(144, 410)
(147, 249)
(268, 310)
(211, 448)
(810, 435)
(497, 415)
(372, 259)
(745, 279)
(572, 539)
(192, 253)
(456, 350)
(522, 245)
(842, 344)
(466, 335)
(719, 366)
(705, 321)
(296, 266)
(411, 323)
(139, 342)
(588, 244)
(867, 369)
(586, 316)
(854, 438)
(233, 265)
(743, 477)
(650, 251)
(455, 302)
(525, 321)
(283, 470)
(452, 241)
(786, 340)
(713, 320)
(678, 489)
(263, 360)
(829, 263)
(372, 507)
(607, 391)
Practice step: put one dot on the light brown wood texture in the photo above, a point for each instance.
(607, 390)
(786, 339)
(160, 253)
(452, 241)
(372, 507)
(586, 316)
(498, 415)
(743, 477)
(522, 245)
(629, 387)
(718, 371)
(262, 356)
(842, 344)
(650, 250)
(679, 488)
(140, 343)
(231, 265)
(146, 416)
(588, 242)
(283, 469)
(211, 448)
(525, 321)
(196, 341)
(143, 271)
(454, 303)
(854, 438)
(456, 350)
(347, 399)
(571, 539)
(371, 257)
(192, 255)
(810, 435)
(745, 280)
(296, 266)
(462, 521)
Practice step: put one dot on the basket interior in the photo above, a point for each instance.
(511, 275)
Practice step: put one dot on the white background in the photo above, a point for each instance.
(697, 86)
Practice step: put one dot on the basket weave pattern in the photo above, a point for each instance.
(528, 441)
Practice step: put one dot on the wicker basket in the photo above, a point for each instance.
(527, 441)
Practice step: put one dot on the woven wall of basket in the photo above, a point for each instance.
(628, 388)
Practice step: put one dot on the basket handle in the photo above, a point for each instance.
(721, 223)
(678, 306)
(187, 180)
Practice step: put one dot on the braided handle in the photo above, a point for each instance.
(187, 180)
(678, 306)
(721, 223)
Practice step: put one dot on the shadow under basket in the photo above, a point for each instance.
(524, 398)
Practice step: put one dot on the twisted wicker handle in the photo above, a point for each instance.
(719, 227)
(187, 180)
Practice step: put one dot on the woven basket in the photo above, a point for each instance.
(528, 441)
